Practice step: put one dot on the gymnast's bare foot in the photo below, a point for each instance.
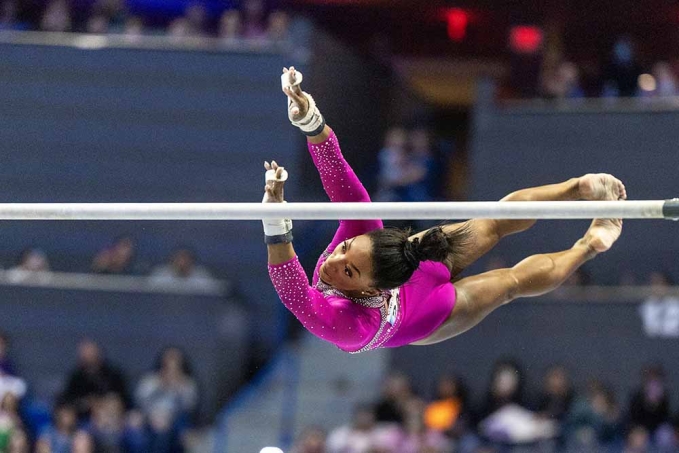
(602, 234)
(601, 186)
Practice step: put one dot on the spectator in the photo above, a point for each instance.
(622, 72)
(58, 437)
(660, 311)
(114, 11)
(57, 17)
(359, 436)
(8, 16)
(422, 158)
(97, 24)
(278, 26)
(32, 263)
(182, 268)
(254, 19)
(230, 26)
(196, 16)
(638, 440)
(396, 395)
(650, 405)
(563, 82)
(665, 80)
(133, 27)
(11, 385)
(19, 442)
(557, 394)
(32, 260)
(448, 413)
(417, 437)
(506, 387)
(109, 429)
(311, 440)
(119, 258)
(167, 398)
(93, 378)
(82, 442)
(392, 164)
(179, 28)
(6, 365)
(11, 426)
(594, 422)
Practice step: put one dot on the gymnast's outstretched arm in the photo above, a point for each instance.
(339, 180)
(334, 319)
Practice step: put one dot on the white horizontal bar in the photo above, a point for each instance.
(651, 209)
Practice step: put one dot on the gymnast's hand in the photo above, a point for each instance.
(298, 104)
(273, 191)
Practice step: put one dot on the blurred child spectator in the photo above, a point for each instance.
(649, 405)
(396, 395)
(594, 422)
(168, 398)
(311, 440)
(622, 72)
(119, 258)
(58, 437)
(254, 19)
(57, 17)
(110, 431)
(6, 365)
(93, 378)
(181, 268)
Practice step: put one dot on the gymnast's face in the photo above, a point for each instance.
(349, 267)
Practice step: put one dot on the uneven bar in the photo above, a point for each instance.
(648, 209)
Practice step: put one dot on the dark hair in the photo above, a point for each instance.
(395, 258)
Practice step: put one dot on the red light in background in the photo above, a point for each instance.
(525, 39)
(457, 19)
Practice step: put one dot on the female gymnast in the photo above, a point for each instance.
(375, 287)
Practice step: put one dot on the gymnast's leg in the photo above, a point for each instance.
(486, 233)
(479, 295)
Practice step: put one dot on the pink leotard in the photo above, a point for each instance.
(356, 325)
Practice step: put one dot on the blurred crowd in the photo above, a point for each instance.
(120, 258)
(254, 22)
(557, 417)
(97, 409)
(621, 73)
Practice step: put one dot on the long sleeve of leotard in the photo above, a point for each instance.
(342, 185)
(330, 317)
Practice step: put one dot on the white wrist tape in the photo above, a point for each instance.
(275, 227)
(313, 120)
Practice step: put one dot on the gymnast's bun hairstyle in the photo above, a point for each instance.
(395, 258)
